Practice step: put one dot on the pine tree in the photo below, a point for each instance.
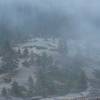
(4, 92)
(16, 90)
(82, 82)
(31, 88)
(41, 84)
(26, 63)
(32, 58)
(19, 53)
(9, 59)
(25, 53)
(44, 60)
(44, 84)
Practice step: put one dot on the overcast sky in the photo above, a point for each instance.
(80, 18)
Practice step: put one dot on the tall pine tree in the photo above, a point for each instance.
(31, 87)
(9, 58)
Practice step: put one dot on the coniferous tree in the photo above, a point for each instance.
(9, 59)
(32, 58)
(25, 53)
(4, 92)
(31, 87)
(45, 85)
(26, 63)
(82, 82)
(19, 53)
(17, 90)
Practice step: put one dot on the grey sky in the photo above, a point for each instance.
(78, 17)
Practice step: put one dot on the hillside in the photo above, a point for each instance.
(46, 69)
(46, 57)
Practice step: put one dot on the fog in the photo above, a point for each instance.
(71, 19)
(82, 14)
(49, 48)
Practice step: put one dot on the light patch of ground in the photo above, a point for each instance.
(39, 45)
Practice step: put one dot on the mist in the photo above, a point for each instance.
(80, 17)
(49, 48)
(71, 19)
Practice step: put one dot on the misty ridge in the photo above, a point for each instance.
(49, 48)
